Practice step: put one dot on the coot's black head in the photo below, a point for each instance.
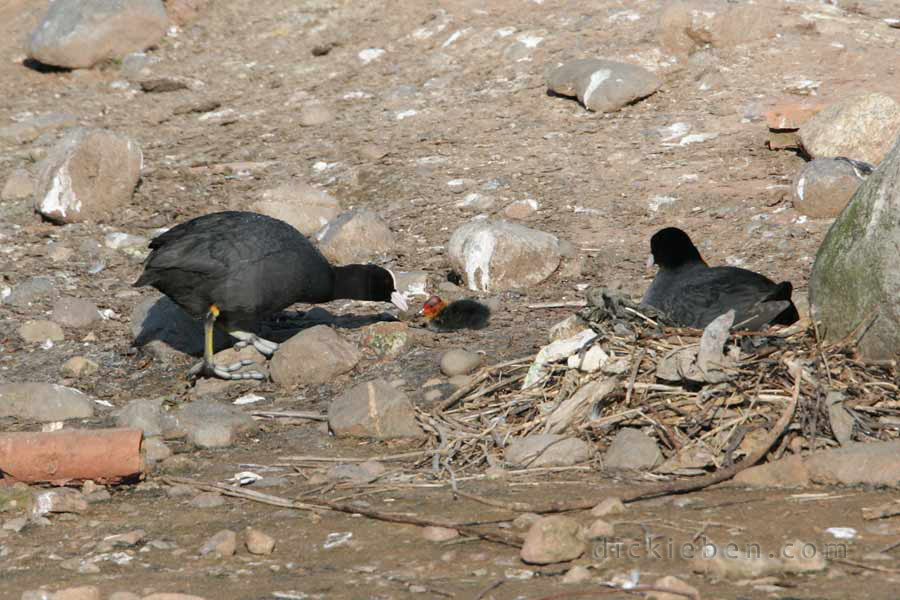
(367, 282)
(672, 248)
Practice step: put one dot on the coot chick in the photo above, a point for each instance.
(235, 268)
(460, 314)
(692, 294)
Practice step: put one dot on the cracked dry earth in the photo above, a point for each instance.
(459, 93)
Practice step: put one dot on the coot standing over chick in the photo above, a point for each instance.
(234, 268)
(692, 294)
(460, 314)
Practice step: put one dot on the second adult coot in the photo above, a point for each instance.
(692, 294)
(234, 268)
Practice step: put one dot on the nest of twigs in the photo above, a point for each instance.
(708, 397)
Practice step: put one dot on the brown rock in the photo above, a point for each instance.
(303, 206)
(823, 188)
(224, 543)
(374, 409)
(87, 176)
(600, 529)
(258, 542)
(608, 506)
(355, 237)
(19, 184)
(385, 339)
(553, 539)
(685, 27)
(78, 34)
(78, 366)
(499, 255)
(185, 12)
(85, 592)
(315, 355)
(791, 114)
(863, 128)
(41, 331)
(75, 312)
(439, 534)
(670, 582)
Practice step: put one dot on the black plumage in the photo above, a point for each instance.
(234, 268)
(692, 294)
(459, 314)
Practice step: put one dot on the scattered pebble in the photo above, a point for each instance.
(459, 362)
(258, 542)
(223, 543)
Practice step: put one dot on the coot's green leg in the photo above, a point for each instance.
(207, 368)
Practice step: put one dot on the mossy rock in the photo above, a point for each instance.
(854, 289)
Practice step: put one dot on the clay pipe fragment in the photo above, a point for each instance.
(59, 457)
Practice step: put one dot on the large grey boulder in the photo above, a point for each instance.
(78, 34)
(856, 275)
(499, 255)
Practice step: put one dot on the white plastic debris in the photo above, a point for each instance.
(554, 352)
(370, 54)
(337, 538)
(104, 403)
(245, 478)
(248, 399)
(842, 533)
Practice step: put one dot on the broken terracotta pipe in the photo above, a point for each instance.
(59, 457)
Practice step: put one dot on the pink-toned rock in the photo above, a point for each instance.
(792, 114)
(355, 236)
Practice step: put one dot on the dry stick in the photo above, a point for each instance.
(237, 492)
(489, 588)
(675, 487)
(572, 304)
(290, 414)
(608, 590)
(339, 459)
(482, 375)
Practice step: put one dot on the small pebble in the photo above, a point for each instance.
(258, 542)
(207, 500)
(459, 362)
(439, 534)
(608, 506)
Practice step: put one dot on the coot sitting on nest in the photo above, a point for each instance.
(235, 268)
(692, 294)
(460, 314)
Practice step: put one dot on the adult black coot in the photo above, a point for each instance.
(460, 314)
(234, 268)
(692, 294)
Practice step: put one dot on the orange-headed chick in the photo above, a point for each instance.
(460, 314)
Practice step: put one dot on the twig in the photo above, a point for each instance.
(230, 490)
(489, 588)
(340, 459)
(290, 414)
(609, 590)
(572, 304)
(678, 487)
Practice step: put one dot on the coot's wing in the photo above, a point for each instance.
(705, 294)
